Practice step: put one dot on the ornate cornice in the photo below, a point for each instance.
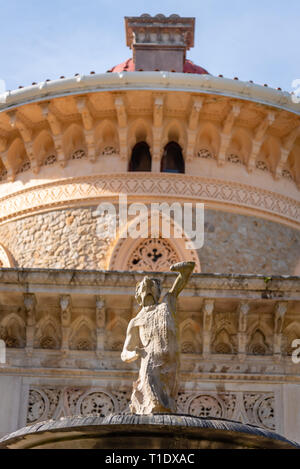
(255, 287)
(148, 81)
(92, 189)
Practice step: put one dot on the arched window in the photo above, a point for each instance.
(172, 160)
(5, 257)
(140, 158)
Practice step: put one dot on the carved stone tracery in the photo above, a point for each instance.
(206, 406)
(256, 408)
(153, 255)
(205, 153)
(96, 403)
(53, 402)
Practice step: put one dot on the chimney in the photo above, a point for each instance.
(159, 42)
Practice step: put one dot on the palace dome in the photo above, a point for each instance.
(188, 67)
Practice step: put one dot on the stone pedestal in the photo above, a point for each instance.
(157, 431)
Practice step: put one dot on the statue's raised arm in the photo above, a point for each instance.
(185, 270)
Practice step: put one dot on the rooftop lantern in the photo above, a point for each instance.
(159, 42)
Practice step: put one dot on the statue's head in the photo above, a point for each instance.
(148, 291)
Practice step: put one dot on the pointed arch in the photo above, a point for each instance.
(174, 131)
(263, 326)
(140, 158)
(82, 334)
(240, 145)
(16, 155)
(12, 330)
(258, 344)
(47, 334)
(74, 142)
(140, 130)
(172, 249)
(172, 160)
(106, 138)
(6, 259)
(290, 333)
(190, 336)
(43, 147)
(269, 154)
(222, 342)
(208, 140)
(116, 333)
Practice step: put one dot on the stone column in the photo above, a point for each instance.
(157, 130)
(100, 323)
(30, 309)
(243, 311)
(192, 130)
(65, 309)
(208, 308)
(123, 126)
(280, 311)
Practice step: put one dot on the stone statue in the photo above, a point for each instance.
(153, 336)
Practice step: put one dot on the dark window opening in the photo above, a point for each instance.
(140, 158)
(172, 160)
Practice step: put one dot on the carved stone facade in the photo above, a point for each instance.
(64, 341)
(50, 402)
(153, 255)
(55, 402)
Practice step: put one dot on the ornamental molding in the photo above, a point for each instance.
(254, 287)
(164, 81)
(231, 196)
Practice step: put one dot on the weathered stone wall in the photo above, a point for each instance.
(58, 239)
(246, 244)
(233, 243)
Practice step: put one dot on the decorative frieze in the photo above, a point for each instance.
(224, 322)
(153, 186)
(53, 402)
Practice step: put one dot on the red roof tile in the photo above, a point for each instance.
(129, 66)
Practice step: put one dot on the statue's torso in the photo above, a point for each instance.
(158, 328)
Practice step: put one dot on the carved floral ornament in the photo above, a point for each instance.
(53, 402)
(153, 254)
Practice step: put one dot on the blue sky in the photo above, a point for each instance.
(255, 40)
